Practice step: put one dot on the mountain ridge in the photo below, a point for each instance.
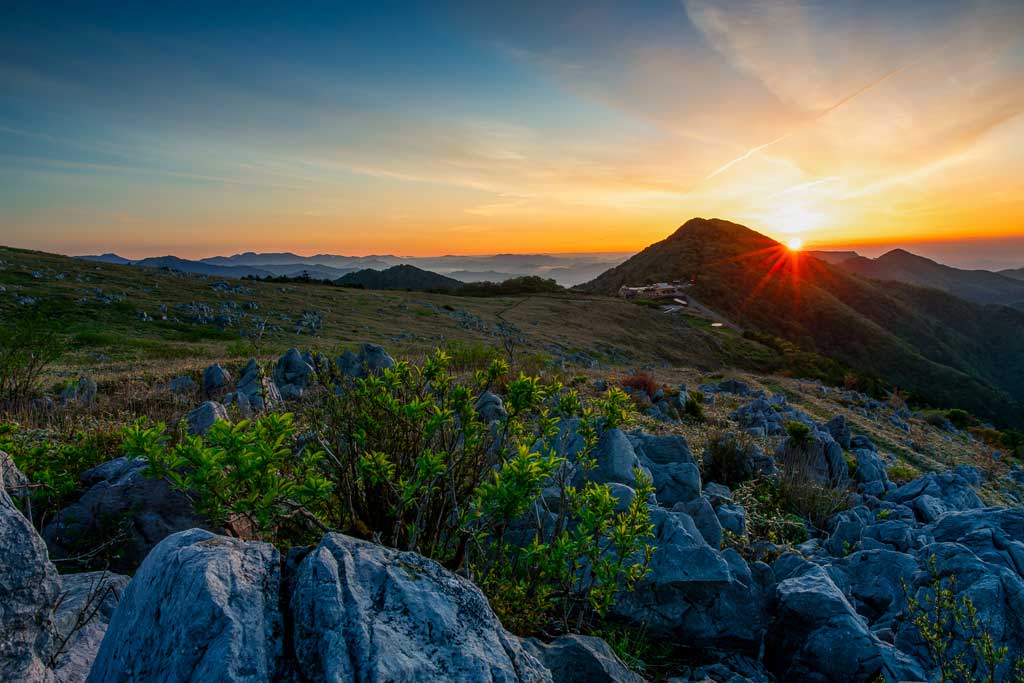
(946, 349)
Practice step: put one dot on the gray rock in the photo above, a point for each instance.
(215, 381)
(816, 635)
(490, 407)
(82, 393)
(706, 521)
(121, 501)
(29, 587)
(870, 467)
(840, 430)
(201, 418)
(661, 450)
(362, 612)
(201, 608)
(937, 493)
(693, 593)
(84, 608)
(733, 519)
(11, 478)
(293, 374)
(374, 359)
(254, 392)
(615, 459)
(580, 659)
(820, 456)
(182, 385)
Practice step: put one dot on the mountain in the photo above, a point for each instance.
(482, 275)
(980, 286)
(314, 270)
(1015, 273)
(944, 349)
(106, 258)
(566, 269)
(400, 277)
(833, 257)
(201, 268)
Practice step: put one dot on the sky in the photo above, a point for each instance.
(423, 128)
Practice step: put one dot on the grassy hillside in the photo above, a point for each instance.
(944, 349)
(123, 321)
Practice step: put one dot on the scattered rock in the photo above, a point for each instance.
(293, 374)
(575, 659)
(215, 381)
(201, 418)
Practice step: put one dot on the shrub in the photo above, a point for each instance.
(798, 431)
(767, 517)
(961, 419)
(800, 489)
(726, 460)
(641, 381)
(54, 464)
(27, 348)
(954, 635)
(1013, 441)
(900, 473)
(404, 459)
(694, 406)
(241, 476)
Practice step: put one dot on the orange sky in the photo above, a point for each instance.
(597, 127)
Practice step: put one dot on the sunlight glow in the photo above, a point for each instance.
(795, 244)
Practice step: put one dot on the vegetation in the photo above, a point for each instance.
(54, 462)
(528, 284)
(405, 459)
(641, 381)
(767, 515)
(955, 636)
(27, 348)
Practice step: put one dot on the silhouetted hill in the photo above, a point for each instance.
(1015, 273)
(943, 348)
(400, 277)
(833, 257)
(981, 286)
(106, 258)
(201, 268)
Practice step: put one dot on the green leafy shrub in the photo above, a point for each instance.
(694, 406)
(27, 347)
(955, 637)
(798, 431)
(53, 464)
(241, 476)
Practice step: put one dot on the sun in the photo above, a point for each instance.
(795, 244)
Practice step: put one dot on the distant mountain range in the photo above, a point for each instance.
(981, 286)
(566, 269)
(938, 346)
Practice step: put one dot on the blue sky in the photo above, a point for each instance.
(201, 128)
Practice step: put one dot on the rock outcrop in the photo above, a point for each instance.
(201, 608)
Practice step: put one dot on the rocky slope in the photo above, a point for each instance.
(202, 606)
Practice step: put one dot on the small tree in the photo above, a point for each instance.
(27, 348)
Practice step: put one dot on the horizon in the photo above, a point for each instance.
(475, 129)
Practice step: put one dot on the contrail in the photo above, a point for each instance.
(754, 150)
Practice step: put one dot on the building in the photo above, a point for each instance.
(659, 290)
